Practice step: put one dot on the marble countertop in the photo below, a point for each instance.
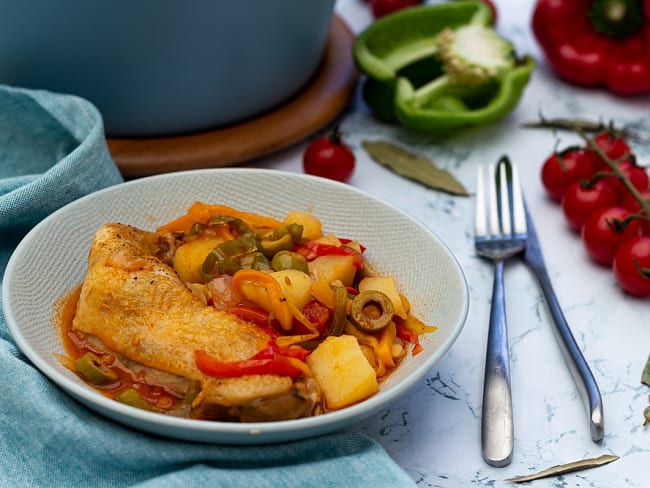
(433, 432)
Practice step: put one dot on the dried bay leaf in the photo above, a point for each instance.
(645, 379)
(645, 376)
(414, 167)
(566, 468)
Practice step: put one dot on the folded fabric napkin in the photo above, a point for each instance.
(53, 151)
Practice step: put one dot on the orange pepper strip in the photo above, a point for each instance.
(301, 365)
(182, 224)
(322, 291)
(202, 212)
(288, 340)
(385, 345)
(262, 289)
(417, 326)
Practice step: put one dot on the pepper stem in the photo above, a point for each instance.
(616, 18)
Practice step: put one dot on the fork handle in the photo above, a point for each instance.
(496, 422)
(578, 366)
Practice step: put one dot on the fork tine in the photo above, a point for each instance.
(504, 190)
(495, 228)
(480, 217)
(519, 214)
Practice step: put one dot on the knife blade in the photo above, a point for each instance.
(582, 375)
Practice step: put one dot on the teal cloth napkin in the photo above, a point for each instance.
(53, 151)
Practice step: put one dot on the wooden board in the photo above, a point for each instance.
(313, 107)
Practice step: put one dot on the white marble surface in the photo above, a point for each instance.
(434, 431)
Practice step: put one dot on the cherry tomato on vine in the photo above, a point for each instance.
(580, 201)
(632, 204)
(636, 174)
(563, 168)
(330, 157)
(381, 8)
(613, 146)
(631, 266)
(605, 230)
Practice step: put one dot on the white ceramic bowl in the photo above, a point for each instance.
(55, 252)
(157, 67)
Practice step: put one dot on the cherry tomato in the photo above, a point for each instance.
(604, 231)
(613, 146)
(330, 157)
(563, 168)
(631, 266)
(632, 204)
(381, 8)
(636, 174)
(580, 201)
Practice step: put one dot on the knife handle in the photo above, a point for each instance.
(578, 366)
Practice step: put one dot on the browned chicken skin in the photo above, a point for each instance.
(138, 307)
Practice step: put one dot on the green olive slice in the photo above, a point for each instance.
(371, 311)
(92, 368)
(289, 260)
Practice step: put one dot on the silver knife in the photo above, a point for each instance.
(578, 366)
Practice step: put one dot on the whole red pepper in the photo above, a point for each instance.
(597, 42)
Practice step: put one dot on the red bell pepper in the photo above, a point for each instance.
(257, 316)
(317, 313)
(597, 42)
(408, 335)
(313, 249)
(273, 359)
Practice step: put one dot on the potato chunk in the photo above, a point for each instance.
(190, 256)
(295, 286)
(333, 267)
(342, 371)
(311, 225)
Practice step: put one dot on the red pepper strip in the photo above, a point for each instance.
(408, 335)
(257, 316)
(581, 55)
(273, 349)
(312, 249)
(278, 365)
(352, 290)
(348, 241)
(273, 359)
(317, 313)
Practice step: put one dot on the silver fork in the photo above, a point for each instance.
(500, 232)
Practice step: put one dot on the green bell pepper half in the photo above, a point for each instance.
(398, 56)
